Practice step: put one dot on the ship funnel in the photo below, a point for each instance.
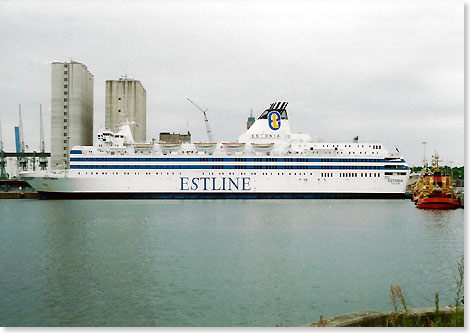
(278, 106)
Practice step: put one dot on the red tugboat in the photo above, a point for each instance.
(436, 191)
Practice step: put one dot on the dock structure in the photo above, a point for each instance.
(459, 194)
(24, 156)
(16, 189)
(21, 155)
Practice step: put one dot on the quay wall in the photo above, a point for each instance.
(19, 195)
(375, 318)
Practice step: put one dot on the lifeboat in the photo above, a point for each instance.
(205, 146)
(262, 146)
(143, 145)
(170, 146)
(233, 146)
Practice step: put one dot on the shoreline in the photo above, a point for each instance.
(375, 318)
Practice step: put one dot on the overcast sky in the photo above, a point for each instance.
(388, 71)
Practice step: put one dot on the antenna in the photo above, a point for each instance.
(204, 112)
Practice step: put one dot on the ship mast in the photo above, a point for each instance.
(436, 161)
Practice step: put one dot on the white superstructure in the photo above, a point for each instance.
(268, 161)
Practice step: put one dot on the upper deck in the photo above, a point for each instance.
(270, 135)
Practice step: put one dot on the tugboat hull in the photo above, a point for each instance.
(438, 203)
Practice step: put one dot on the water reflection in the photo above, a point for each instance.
(219, 263)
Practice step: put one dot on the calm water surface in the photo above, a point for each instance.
(219, 263)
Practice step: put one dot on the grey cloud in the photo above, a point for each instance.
(348, 68)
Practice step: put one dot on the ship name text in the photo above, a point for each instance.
(215, 184)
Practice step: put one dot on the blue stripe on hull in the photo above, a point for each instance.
(222, 166)
(201, 195)
(230, 159)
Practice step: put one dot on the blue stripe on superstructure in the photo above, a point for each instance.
(79, 152)
(240, 167)
(223, 159)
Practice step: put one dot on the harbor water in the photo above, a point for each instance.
(219, 263)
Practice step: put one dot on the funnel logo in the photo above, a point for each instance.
(274, 120)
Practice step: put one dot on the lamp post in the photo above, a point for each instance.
(424, 154)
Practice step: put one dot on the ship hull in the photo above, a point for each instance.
(200, 184)
(127, 195)
(438, 203)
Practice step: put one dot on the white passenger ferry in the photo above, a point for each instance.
(267, 161)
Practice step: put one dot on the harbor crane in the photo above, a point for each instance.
(206, 121)
(3, 162)
(42, 146)
(22, 160)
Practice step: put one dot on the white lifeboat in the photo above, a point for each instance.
(262, 146)
(233, 146)
(205, 146)
(170, 146)
(143, 145)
